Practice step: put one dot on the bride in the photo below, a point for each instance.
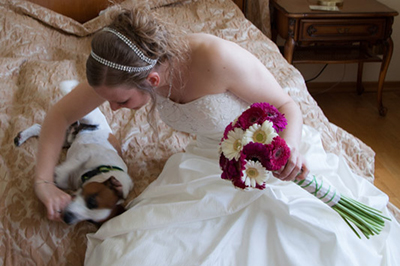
(189, 215)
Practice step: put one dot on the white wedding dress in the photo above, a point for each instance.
(190, 216)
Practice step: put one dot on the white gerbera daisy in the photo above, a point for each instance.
(264, 133)
(232, 146)
(254, 173)
(235, 121)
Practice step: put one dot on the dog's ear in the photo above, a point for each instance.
(115, 185)
(117, 210)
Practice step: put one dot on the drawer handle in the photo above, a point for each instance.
(373, 29)
(343, 30)
(311, 30)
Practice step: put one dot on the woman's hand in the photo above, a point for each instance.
(54, 199)
(296, 167)
(72, 107)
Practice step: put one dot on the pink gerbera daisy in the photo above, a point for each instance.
(257, 152)
(250, 117)
(227, 130)
(231, 169)
(279, 154)
(271, 113)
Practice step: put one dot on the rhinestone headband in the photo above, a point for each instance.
(139, 53)
(118, 66)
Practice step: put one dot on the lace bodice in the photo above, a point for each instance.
(207, 116)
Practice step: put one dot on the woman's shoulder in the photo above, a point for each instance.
(201, 37)
(206, 67)
(205, 42)
(210, 51)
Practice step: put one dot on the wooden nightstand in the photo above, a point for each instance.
(359, 32)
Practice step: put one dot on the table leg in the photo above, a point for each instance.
(360, 87)
(274, 27)
(289, 49)
(387, 55)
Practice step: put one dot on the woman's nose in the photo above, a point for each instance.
(114, 106)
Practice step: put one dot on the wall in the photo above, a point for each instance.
(348, 72)
(81, 11)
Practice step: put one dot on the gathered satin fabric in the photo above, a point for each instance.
(190, 216)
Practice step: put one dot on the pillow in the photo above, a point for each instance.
(71, 26)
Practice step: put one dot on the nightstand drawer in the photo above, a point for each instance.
(341, 30)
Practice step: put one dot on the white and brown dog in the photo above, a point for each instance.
(93, 168)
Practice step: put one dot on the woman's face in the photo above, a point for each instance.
(123, 97)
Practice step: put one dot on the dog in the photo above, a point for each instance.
(93, 169)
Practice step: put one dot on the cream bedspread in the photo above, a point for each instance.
(39, 48)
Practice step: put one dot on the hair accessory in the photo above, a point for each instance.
(118, 66)
(139, 53)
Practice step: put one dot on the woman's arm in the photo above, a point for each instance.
(249, 79)
(69, 109)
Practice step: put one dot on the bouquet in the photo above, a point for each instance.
(251, 149)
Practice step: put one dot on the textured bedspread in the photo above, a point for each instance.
(39, 48)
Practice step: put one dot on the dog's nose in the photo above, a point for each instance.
(69, 217)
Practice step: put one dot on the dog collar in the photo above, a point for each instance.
(101, 169)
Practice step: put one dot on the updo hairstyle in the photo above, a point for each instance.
(153, 37)
(149, 34)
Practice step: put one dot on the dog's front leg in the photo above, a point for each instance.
(67, 170)
(24, 135)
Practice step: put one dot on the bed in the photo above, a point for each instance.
(39, 48)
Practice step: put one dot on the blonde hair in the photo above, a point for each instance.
(154, 37)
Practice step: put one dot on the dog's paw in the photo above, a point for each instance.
(24, 135)
(67, 86)
(60, 178)
(18, 139)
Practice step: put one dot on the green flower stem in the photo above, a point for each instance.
(355, 219)
(367, 219)
(360, 218)
(344, 216)
(361, 225)
(371, 220)
(352, 228)
(367, 216)
(367, 208)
